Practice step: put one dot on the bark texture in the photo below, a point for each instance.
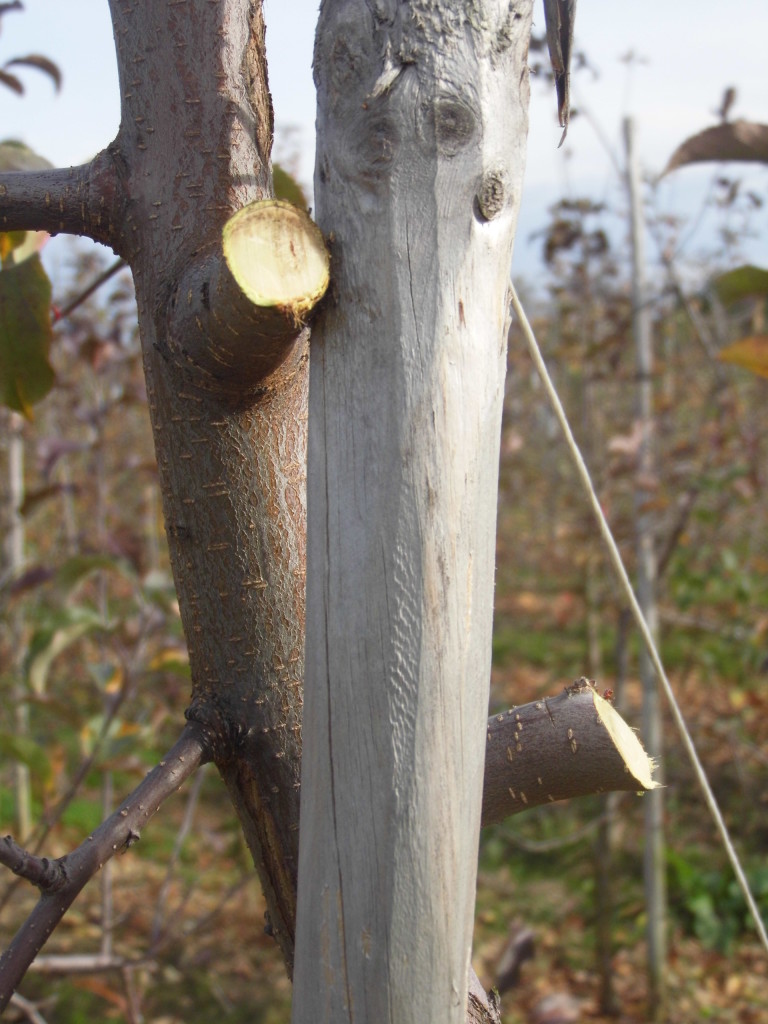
(422, 120)
(231, 458)
(557, 748)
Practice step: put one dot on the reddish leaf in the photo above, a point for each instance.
(750, 353)
(25, 335)
(735, 140)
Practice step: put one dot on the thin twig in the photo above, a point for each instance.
(65, 878)
(107, 906)
(557, 842)
(79, 963)
(28, 1008)
(678, 528)
(167, 940)
(135, 1016)
(51, 819)
(112, 269)
(178, 845)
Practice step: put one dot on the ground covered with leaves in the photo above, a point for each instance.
(188, 916)
(543, 873)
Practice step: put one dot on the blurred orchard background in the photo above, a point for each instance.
(93, 669)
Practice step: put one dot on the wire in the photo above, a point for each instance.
(637, 613)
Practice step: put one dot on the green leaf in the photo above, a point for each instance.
(57, 642)
(78, 567)
(107, 675)
(61, 711)
(121, 736)
(82, 814)
(286, 187)
(26, 375)
(26, 751)
(741, 283)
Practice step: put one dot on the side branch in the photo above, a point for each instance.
(85, 200)
(62, 880)
(560, 747)
(238, 309)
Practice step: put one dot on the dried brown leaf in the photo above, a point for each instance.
(35, 60)
(750, 353)
(736, 140)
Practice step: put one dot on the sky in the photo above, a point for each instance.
(686, 53)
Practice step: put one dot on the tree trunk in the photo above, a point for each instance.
(422, 121)
(230, 450)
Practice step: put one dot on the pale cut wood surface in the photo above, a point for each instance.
(422, 118)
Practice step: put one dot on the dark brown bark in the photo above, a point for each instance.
(232, 474)
(84, 200)
(554, 749)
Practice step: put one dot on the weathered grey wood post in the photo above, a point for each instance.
(422, 121)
